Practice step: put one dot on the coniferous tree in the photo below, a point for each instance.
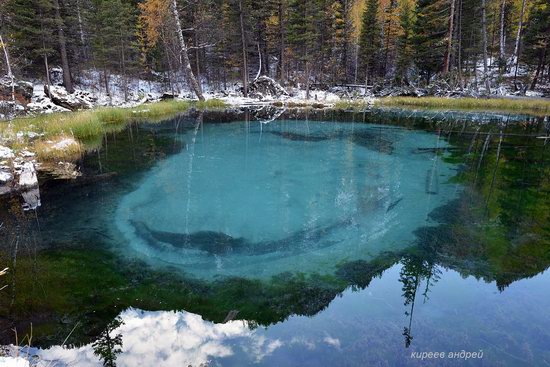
(405, 43)
(429, 36)
(537, 40)
(392, 30)
(302, 37)
(370, 41)
(114, 42)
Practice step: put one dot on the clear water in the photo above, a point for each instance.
(321, 238)
(256, 200)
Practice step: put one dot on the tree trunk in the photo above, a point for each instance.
(8, 66)
(243, 44)
(518, 35)
(446, 64)
(484, 32)
(185, 54)
(81, 31)
(502, 38)
(67, 81)
(281, 65)
(540, 67)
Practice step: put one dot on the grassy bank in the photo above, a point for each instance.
(523, 105)
(86, 126)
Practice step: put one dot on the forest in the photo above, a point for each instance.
(199, 45)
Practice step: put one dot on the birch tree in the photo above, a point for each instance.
(502, 35)
(184, 53)
(518, 34)
(484, 36)
(8, 67)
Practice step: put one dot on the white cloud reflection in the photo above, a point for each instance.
(167, 338)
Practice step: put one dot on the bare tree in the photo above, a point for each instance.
(184, 53)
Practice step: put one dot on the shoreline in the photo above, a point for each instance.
(53, 142)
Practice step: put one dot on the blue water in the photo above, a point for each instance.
(290, 243)
(284, 196)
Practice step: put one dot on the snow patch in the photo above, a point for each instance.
(6, 153)
(64, 144)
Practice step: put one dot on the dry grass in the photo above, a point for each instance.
(523, 105)
(352, 105)
(54, 150)
(88, 127)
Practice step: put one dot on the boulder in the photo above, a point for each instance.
(22, 91)
(76, 101)
(27, 177)
(265, 86)
(167, 96)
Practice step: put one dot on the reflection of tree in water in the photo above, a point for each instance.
(416, 269)
(107, 347)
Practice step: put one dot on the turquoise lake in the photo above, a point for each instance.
(318, 238)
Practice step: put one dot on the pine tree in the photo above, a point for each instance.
(429, 36)
(392, 30)
(405, 43)
(302, 36)
(370, 41)
(31, 25)
(113, 41)
(537, 39)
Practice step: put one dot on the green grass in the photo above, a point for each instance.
(90, 125)
(351, 105)
(524, 105)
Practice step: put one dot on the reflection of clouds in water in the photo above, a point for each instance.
(262, 347)
(168, 339)
(335, 342)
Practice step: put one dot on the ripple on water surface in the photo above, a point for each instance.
(256, 200)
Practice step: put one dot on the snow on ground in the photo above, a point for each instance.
(14, 362)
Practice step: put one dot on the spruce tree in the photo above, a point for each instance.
(31, 26)
(536, 51)
(429, 41)
(302, 36)
(405, 43)
(370, 41)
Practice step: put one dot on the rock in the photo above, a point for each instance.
(265, 86)
(22, 91)
(167, 96)
(5, 177)
(75, 101)
(31, 199)
(27, 177)
(6, 153)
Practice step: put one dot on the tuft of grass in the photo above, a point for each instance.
(159, 110)
(348, 104)
(50, 151)
(523, 105)
(211, 103)
(88, 127)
